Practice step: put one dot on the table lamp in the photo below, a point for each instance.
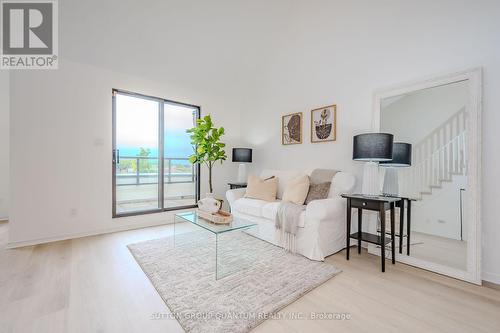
(242, 155)
(372, 148)
(401, 157)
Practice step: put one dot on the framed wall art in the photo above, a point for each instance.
(324, 124)
(291, 129)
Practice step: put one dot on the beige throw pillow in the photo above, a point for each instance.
(263, 189)
(296, 190)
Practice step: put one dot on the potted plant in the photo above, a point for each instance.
(207, 147)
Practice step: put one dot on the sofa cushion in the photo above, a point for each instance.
(284, 177)
(270, 210)
(249, 206)
(296, 190)
(263, 189)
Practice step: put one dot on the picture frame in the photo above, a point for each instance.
(324, 124)
(291, 128)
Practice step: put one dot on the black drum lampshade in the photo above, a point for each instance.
(242, 155)
(401, 155)
(373, 147)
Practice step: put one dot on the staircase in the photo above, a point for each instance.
(436, 158)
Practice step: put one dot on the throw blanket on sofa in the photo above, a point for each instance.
(287, 223)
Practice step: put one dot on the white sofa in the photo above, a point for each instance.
(322, 227)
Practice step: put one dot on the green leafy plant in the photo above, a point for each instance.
(207, 146)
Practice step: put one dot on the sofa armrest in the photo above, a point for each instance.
(233, 195)
(325, 209)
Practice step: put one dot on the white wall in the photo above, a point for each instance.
(414, 116)
(4, 145)
(439, 213)
(342, 51)
(61, 149)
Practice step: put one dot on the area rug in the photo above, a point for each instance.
(266, 279)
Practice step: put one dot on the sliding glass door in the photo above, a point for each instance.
(180, 175)
(151, 172)
(136, 154)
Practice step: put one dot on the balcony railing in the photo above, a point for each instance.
(143, 170)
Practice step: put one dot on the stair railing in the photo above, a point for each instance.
(436, 158)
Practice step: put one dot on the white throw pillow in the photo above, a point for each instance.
(296, 190)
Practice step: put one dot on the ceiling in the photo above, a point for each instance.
(209, 44)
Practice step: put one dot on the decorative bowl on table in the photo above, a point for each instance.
(220, 217)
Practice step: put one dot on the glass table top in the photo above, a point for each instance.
(236, 224)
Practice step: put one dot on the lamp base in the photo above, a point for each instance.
(370, 179)
(242, 173)
(391, 184)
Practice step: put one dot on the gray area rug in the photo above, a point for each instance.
(266, 279)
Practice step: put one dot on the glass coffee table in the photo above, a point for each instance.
(217, 230)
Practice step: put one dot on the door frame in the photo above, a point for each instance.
(161, 152)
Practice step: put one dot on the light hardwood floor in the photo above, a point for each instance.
(441, 250)
(93, 284)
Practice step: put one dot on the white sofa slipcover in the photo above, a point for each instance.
(322, 229)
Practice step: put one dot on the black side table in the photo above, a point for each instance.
(379, 204)
(401, 205)
(233, 186)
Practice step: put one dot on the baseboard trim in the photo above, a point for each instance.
(491, 278)
(31, 242)
(491, 285)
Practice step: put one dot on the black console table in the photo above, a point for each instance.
(380, 204)
(401, 205)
